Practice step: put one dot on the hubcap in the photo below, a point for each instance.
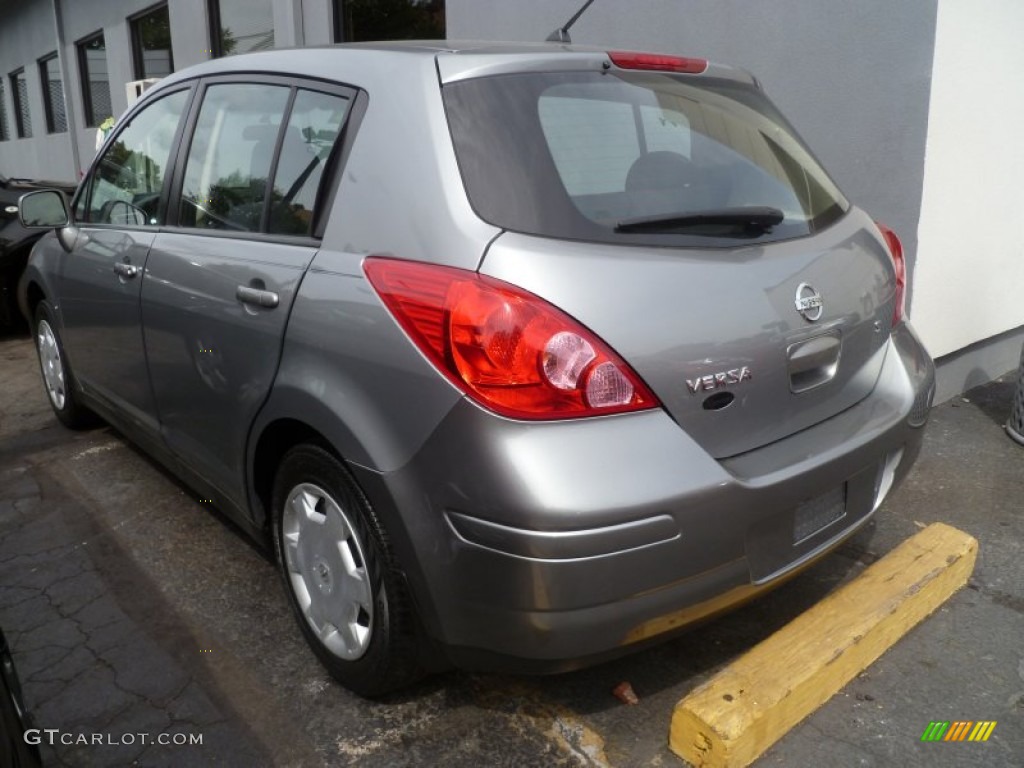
(327, 571)
(53, 368)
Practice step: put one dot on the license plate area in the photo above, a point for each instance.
(818, 513)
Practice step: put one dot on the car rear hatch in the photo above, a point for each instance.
(680, 218)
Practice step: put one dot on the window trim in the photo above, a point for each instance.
(44, 84)
(138, 64)
(19, 122)
(83, 77)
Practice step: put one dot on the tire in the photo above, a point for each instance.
(340, 575)
(57, 377)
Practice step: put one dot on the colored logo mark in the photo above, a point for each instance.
(959, 730)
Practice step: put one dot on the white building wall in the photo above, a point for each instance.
(969, 282)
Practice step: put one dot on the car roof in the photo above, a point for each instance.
(455, 60)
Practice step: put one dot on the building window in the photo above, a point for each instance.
(4, 133)
(92, 66)
(241, 26)
(19, 92)
(53, 94)
(356, 20)
(151, 43)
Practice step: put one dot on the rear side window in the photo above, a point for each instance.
(230, 155)
(588, 156)
(231, 179)
(313, 128)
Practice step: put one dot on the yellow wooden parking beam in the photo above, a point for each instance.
(753, 702)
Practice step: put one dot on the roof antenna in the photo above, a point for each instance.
(561, 34)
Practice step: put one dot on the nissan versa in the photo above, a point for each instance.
(519, 356)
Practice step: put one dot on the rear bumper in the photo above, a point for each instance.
(540, 547)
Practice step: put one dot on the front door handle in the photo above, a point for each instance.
(127, 271)
(257, 297)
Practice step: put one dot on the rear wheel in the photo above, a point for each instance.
(340, 576)
(56, 373)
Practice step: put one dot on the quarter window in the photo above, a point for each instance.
(127, 182)
(241, 26)
(19, 92)
(151, 43)
(92, 64)
(229, 158)
(53, 94)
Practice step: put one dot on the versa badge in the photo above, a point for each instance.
(718, 380)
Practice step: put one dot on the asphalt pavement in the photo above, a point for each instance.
(147, 630)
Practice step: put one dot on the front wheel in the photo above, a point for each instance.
(57, 374)
(340, 576)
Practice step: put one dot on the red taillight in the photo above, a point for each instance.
(900, 266)
(509, 350)
(657, 61)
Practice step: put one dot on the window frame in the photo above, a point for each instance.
(5, 132)
(83, 77)
(20, 110)
(213, 25)
(44, 85)
(328, 181)
(138, 55)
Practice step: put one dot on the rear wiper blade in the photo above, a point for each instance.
(750, 218)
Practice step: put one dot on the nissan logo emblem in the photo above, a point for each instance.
(809, 302)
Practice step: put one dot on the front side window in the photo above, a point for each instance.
(230, 155)
(53, 94)
(627, 157)
(151, 44)
(126, 184)
(19, 92)
(241, 26)
(92, 64)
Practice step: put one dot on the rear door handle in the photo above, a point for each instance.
(124, 270)
(257, 297)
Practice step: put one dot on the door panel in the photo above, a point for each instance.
(100, 310)
(215, 303)
(213, 331)
(102, 276)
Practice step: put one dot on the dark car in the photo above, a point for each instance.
(15, 752)
(16, 241)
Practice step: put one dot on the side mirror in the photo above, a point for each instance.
(43, 209)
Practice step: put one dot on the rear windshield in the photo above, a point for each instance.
(645, 158)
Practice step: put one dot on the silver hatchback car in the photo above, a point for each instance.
(519, 356)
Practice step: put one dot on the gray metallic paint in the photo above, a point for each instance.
(586, 475)
(102, 330)
(543, 542)
(678, 314)
(212, 359)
